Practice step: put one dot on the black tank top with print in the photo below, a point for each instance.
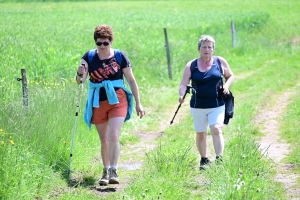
(107, 69)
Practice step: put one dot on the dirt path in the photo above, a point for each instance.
(132, 156)
(273, 146)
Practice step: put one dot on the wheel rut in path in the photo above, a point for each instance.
(276, 148)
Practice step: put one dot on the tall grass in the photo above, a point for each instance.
(49, 38)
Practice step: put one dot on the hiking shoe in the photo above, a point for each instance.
(104, 179)
(204, 162)
(113, 177)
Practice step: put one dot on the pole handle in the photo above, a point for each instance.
(188, 87)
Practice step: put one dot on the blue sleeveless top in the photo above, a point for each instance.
(206, 85)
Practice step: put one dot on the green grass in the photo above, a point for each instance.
(48, 40)
(290, 130)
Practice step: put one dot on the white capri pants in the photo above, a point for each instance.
(207, 117)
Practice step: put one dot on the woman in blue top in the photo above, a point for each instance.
(109, 103)
(207, 105)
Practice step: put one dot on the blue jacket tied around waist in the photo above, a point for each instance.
(94, 94)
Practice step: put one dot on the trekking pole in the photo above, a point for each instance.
(76, 119)
(188, 87)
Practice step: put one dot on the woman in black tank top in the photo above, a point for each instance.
(206, 104)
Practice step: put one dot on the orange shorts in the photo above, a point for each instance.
(107, 111)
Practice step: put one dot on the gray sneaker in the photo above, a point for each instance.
(104, 180)
(113, 177)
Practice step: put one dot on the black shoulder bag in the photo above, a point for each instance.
(228, 98)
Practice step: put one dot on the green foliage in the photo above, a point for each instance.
(252, 22)
(24, 168)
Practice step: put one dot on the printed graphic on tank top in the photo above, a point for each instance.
(107, 69)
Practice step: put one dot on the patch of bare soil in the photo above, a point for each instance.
(276, 148)
(131, 160)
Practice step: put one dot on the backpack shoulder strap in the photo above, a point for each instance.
(91, 55)
(118, 56)
(216, 58)
(193, 66)
(219, 66)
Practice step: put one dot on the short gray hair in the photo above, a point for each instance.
(206, 38)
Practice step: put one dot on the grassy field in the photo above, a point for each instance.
(48, 40)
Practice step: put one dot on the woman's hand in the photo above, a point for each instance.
(140, 111)
(181, 100)
(81, 69)
(225, 90)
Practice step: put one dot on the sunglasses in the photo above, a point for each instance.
(100, 43)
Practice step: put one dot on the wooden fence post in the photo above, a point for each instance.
(25, 89)
(233, 33)
(168, 54)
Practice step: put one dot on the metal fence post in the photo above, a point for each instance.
(25, 89)
(233, 33)
(168, 54)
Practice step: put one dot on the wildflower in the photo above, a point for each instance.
(12, 142)
(258, 190)
(242, 183)
(1, 130)
(236, 186)
(65, 142)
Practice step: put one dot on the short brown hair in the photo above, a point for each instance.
(103, 31)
